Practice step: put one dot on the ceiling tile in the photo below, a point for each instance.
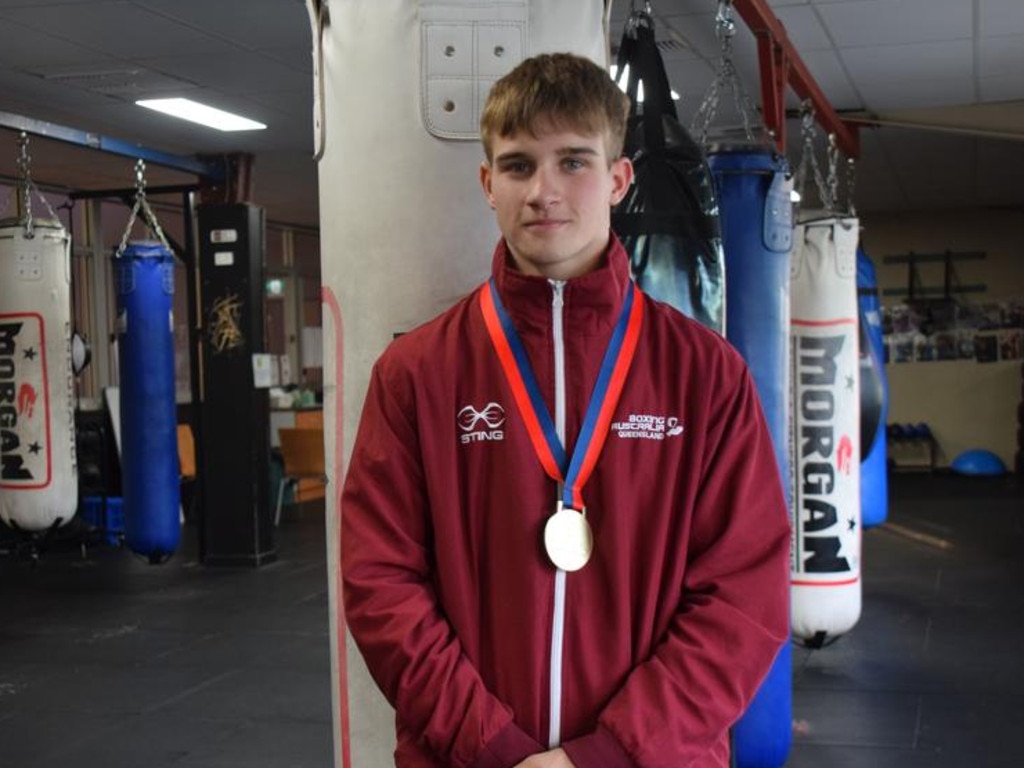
(24, 48)
(299, 59)
(803, 28)
(999, 56)
(120, 28)
(235, 71)
(829, 73)
(885, 95)
(891, 70)
(1000, 17)
(895, 22)
(698, 31)
(54, 101)
(39, 3)
(260, 24)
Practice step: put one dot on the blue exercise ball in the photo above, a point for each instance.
(978, 461)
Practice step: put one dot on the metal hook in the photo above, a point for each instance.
(639, 19)
(140, 178)
(23, 145)
(725, 25)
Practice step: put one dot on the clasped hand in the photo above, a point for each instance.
(554, 758)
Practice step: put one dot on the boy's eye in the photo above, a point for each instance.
(515, 166)
(573, 163)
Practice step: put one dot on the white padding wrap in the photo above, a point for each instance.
(825, 429)
(38, 474)
(461, 61)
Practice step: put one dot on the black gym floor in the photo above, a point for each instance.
(107, 661)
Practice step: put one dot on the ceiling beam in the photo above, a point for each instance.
(782, 65)
(211, 170)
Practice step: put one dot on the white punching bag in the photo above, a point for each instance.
(404, 227)
(825, 423)
(38, 474)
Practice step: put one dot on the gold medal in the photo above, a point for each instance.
(568, 539)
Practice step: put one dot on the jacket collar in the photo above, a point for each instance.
(592, 301)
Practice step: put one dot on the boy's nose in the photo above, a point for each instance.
(544, 189)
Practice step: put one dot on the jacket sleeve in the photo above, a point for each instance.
(734, 615)
(391, 604)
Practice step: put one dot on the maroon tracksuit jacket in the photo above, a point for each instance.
(648, 654)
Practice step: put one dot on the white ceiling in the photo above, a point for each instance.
(954, 66)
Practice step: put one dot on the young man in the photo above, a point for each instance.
(564, 540)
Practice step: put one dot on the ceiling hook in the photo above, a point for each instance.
(140, 178)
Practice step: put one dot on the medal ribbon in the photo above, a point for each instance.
(572, 472)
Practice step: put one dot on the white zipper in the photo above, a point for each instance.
(558, 617)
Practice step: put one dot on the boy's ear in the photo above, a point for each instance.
(622, 178)
(485, 182)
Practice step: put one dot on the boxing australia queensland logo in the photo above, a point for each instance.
(647, 426)
(478, 426)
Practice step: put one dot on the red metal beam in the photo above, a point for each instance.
(781, 64)
(774, 69)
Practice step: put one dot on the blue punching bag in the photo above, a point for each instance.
(757, 235)
(149, 439)
(874, 398)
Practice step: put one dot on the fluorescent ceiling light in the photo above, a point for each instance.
(640, 85)
(211, 117)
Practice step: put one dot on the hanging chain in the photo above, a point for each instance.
(851, 178)
(726, 78)
(26, 186)
(832, 153)
(826, 193)
(141, 204)
(25, 174)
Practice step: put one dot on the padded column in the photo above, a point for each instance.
(237, 526)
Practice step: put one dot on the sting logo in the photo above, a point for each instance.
(480, 426)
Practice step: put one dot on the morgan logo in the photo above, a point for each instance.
(481, 426)
(24, 416)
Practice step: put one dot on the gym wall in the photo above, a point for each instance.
(967, 404)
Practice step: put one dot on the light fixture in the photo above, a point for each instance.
(211, 117)
(794, 196)
(639, 86)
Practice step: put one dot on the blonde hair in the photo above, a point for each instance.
(560, 90)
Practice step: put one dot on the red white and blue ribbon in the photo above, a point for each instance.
(572, 472)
